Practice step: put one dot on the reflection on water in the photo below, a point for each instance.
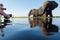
(2, 25)
(31, 29)
(45, 24)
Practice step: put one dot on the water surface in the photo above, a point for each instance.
(26, 29)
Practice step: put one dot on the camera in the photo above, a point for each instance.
(3, 8)
(9, 15)
(7, 20)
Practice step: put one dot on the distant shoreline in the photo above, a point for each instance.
(31, 17)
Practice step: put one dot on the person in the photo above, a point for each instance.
(2, 12)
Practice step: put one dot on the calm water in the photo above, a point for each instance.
(24, 29)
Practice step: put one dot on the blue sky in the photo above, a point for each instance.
(22, 7)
